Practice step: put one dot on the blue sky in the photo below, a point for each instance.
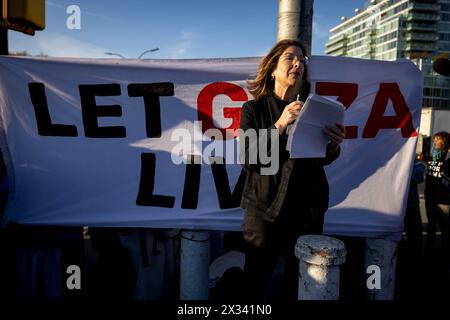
(181, 29)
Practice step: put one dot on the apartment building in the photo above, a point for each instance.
(418, 30)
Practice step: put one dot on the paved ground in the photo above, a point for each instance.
(419, 275)
(422, 275)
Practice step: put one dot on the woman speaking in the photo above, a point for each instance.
(292, 200)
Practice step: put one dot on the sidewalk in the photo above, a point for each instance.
(419, 275)
(422, 275)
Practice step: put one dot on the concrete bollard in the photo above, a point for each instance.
(194, 265)
(320, 258)
(381, 259)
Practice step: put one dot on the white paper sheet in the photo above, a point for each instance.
(306, 138)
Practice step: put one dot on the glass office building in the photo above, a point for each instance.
(418, 30)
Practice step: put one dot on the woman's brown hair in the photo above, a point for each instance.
(445, 137)
(263, 84)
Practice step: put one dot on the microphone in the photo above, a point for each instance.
(442, 66)
(305, 88)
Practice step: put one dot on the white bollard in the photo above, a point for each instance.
(194, 265)
(381, 265)
(320, 258)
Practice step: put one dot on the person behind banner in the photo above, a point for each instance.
(437, 195)
(413, 220)
(444, 209)
(279, 206)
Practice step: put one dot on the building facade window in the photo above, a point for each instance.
(405, 30)
(445, 16)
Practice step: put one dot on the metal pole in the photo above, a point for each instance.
(381, 255)
(295, 21)
(3, 41)
(320, 260)
(4, 50)
(194, 265)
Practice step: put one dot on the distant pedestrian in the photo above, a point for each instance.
(437, 195)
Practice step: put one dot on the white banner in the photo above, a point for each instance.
(99, 143)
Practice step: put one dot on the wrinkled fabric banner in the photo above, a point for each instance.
(151, 144)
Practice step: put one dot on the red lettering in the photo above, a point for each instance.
(346, 93)
(205, 106)
(402, 119)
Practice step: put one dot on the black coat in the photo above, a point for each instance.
(266, 195)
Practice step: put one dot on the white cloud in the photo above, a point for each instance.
(52, 4)
(319, 31)
(60, 45)
(84, 12)
(185, 42)
(100, 15)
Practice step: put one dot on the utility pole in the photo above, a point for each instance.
(295, 21)
(3, 41)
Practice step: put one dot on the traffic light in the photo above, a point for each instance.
(23, 15)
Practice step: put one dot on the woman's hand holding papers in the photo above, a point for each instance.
(336, 134)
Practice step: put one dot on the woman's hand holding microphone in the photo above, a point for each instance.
(335, 133)
(290, 113)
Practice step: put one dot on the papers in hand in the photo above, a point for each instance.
(306, 138)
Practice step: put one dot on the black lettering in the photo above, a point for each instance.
(145, 195)
(151, 93)
(91, 111)
(44, 123)
(227, 199)
(191, 182)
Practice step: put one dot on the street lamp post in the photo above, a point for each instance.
(146, 51)
(139, 58)
(114, 54)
